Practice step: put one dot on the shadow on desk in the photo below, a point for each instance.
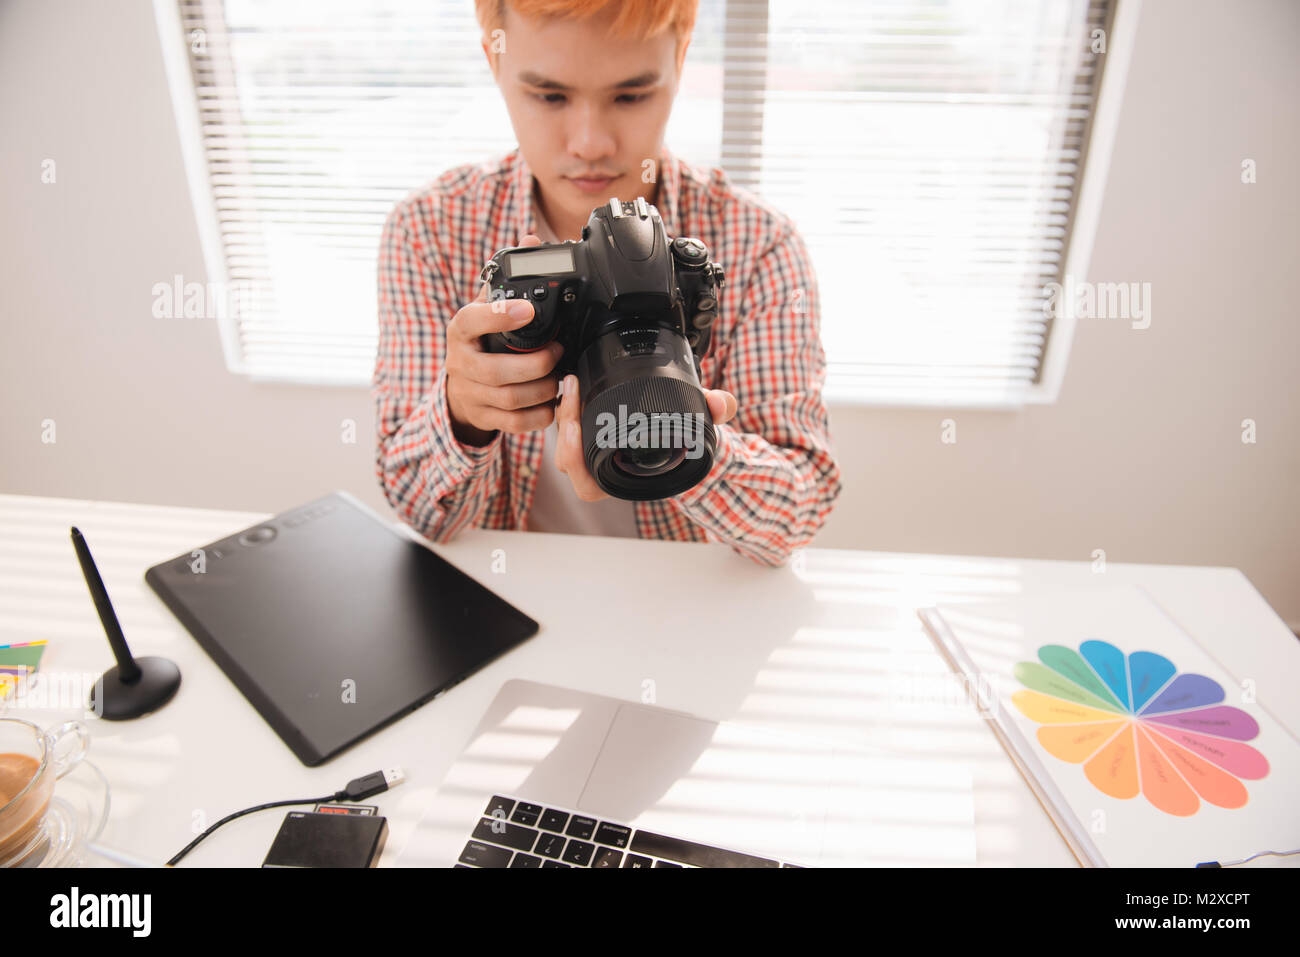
(748, 783)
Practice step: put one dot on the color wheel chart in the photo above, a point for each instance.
(1141, 745)
(1139, 726)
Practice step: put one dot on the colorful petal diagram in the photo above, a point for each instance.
(1135, 725)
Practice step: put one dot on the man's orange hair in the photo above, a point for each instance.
(636, 19)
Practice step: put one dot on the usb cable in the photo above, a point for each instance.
(358, 789)
(1245, 859)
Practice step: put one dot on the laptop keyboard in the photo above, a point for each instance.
(514, 833)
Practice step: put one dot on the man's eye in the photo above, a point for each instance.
(554, 99)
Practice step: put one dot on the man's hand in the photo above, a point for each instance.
(568, 455)
(487, 392)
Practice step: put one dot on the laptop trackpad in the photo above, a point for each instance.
(725, 784)
(645, 753)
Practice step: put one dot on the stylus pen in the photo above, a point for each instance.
(128, 670)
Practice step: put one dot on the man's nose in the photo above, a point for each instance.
(589, 137)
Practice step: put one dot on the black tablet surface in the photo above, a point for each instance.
(334, 624)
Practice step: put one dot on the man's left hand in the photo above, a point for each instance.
(568, 456)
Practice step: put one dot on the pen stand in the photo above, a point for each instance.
(134, 686)
(157, 681)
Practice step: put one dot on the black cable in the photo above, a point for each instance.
(248, 810)
(358, 789)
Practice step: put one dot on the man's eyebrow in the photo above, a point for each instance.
(529, 78)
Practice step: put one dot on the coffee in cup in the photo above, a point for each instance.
(29, 768)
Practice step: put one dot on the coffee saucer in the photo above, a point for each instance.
(76, 817)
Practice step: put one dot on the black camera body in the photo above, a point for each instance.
(634, 312)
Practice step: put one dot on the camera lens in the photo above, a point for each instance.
(645, 462)
(646, 428)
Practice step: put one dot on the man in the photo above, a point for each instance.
(473, 439)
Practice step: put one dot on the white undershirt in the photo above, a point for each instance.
(556, 507)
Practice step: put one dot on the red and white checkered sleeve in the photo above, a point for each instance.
(774, 478)
(437, 484)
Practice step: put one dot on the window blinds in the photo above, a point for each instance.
(929, 151)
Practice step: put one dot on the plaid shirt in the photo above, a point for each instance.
(774, 478)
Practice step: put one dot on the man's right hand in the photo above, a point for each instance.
(489, 392)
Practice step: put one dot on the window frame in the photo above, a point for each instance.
(1080, 237)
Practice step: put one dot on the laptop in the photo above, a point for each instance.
(556, 777)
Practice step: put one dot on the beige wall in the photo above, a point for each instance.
(1141, 456)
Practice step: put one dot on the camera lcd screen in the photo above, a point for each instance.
(542, 262)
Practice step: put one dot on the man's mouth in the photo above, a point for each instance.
(591, 184)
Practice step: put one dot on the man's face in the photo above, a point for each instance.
(585, 104)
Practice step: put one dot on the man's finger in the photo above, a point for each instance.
(722, 405)
(569, 457)
(521, 395)
(519, 421)
(571, 461)
(481, 318)
(506, 368)
(564, 410)
(564, 415)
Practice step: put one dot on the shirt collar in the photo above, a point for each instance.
(522, 185)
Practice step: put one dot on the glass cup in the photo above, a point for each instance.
(31, 761)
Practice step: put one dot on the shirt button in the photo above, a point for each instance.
(525, 470)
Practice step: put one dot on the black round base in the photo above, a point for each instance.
(158, 681)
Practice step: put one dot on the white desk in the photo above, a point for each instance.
(830, 646)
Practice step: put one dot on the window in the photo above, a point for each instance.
(930, 151)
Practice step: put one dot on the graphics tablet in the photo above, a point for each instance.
(334, 624)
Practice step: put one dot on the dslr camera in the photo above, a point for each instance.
(634, 311)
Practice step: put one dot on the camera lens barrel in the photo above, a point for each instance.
(646, 426)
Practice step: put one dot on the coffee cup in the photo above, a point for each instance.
(31, 761)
